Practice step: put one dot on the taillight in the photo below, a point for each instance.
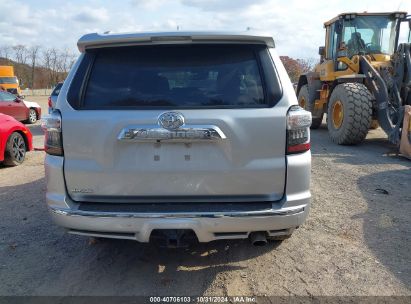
(53, 141)
(298, 130)
(49, 102)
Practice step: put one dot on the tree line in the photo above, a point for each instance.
(37, 67)
(296, 67)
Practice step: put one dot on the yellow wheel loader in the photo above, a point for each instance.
(363, 78)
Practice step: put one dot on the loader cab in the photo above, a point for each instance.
(370, 34)
(352, 34)
(364, 33)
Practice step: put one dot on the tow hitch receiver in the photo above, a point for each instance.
(173, 238)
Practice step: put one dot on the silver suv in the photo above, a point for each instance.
(174, 136)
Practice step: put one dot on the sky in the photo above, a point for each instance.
(296, 25)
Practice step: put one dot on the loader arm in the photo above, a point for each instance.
(377, 86)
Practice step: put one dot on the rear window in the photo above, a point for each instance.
(184, 76)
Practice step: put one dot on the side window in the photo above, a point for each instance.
(329, 43)
(332, 42)
(56, 90)
(404, 36)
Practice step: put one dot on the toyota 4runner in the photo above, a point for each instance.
(176, 136)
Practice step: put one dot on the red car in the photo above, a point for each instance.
(18, 108)
(15, 141)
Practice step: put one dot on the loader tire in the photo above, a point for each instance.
(308, 105)
(349, 113)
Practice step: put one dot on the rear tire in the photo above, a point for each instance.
(349, 113)
(32, 116)
(308, 105)
(15, 150)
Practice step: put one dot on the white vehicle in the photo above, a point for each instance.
(34, 113)
(178, 135)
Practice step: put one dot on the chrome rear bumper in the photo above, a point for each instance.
(207, 227)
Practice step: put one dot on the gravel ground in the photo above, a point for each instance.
(356, 240)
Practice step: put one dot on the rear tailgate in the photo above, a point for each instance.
(230, 90)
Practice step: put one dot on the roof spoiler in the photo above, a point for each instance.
(95, 40)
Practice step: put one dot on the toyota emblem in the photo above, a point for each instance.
(171, 120)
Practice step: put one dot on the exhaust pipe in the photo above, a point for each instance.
(258, 238)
